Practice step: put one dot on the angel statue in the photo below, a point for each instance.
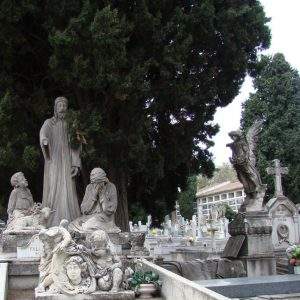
(244, 162)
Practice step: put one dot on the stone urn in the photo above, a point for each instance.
(146, 290)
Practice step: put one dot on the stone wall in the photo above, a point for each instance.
(179, 288)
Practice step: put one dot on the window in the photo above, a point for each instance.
(204, 200)
(232, 202)
(239, 194)
(210, 199)
(224, 196)
(231, 195)
(204, 206)
(217, 198)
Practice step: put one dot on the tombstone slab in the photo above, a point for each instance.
(257, 248)
(285, 222)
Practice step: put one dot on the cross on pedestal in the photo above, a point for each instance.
(277, 170)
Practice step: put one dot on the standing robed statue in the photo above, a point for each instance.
(62, 164)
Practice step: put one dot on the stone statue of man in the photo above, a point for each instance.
(62, 164)
(20, 200)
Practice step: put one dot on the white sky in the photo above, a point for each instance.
(285, 30)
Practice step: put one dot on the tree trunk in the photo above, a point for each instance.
(119, 178)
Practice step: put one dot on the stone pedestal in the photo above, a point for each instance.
(123, 295)
(11, 241)
(252, 231)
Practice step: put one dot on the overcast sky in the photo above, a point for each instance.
(285, 30)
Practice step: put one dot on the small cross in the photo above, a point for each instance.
(277, 171)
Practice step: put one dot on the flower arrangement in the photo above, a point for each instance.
(293, 253)
(153, 231)
(140, 277)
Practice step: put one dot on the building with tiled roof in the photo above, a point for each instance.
(228, 192)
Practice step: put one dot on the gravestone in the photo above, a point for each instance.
(284, 213)
(285, 222)
(253, 221)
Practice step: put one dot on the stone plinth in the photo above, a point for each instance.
(12, 240)
(253, 230)
(123, 295)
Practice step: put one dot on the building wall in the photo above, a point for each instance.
(233, 198)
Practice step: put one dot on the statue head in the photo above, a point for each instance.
(60, 107)
(18, 180)
(98, 175)
(76, 268)
(235, 135)
(99, 242)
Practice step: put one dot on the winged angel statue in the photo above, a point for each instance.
(244, 161)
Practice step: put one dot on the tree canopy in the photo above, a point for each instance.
(143, 78)
(277, 101)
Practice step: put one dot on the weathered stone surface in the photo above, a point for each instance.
(285, 222)
(98, 206)
(11, 240)
(230, 269)
(34, 249)
(23, 214)
(62, 164)
(257, 248)
(244, 162)
(23, 268)
(233, 246)
(124, 295)
(70, 268)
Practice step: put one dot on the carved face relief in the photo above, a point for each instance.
(73, 271)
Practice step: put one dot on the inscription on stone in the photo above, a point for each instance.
(33, 249)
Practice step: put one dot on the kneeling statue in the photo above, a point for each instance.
(23, 213)
(98, 206)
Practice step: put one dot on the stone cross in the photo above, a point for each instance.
(277, 170)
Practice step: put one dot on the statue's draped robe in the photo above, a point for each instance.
(20, 201)
(59, 191)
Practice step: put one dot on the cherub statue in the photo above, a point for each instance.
(23, 213)
(244, 161)
(108, 266)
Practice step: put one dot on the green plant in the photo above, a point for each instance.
(76, 133)
(140, 277)
(229, 213)
(293, 252)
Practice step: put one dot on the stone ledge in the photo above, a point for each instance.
(124, 295)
